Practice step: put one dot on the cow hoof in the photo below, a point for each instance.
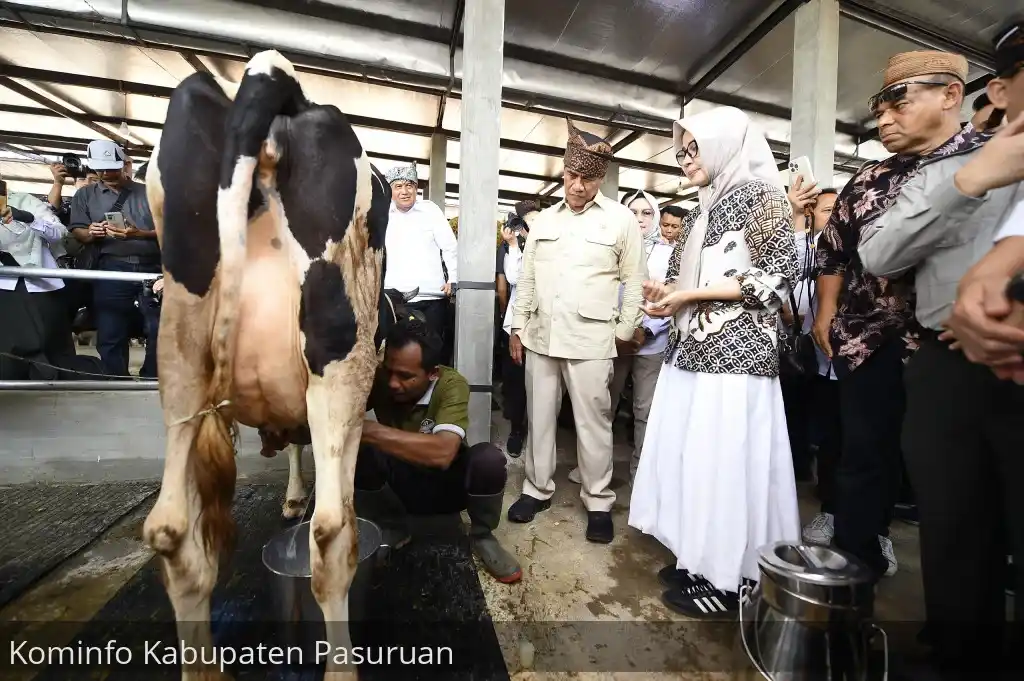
(294, 508)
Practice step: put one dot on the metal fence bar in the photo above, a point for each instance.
(61, 273)
(79, 386)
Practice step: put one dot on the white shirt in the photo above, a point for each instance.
(804, 293)
(657, 269)
(415, 242)
(513, 263)
(1014, 225)
(50, 230)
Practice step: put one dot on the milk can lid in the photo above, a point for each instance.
(821, 565)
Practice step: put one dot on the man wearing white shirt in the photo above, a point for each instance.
(418, 240)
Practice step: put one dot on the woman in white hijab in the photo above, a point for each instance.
(715, 481)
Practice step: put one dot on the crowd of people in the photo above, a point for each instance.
(869, 339)
(105, 225)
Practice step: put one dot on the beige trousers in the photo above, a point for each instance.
(645, 370)
(588, 383)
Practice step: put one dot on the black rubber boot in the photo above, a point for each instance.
(526, 509)
(484, 516)
(383, 507)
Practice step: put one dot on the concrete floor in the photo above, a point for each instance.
(566, 579)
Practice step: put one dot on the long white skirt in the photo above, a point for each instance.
(716, 481)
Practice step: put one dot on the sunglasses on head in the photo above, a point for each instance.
(895, 93)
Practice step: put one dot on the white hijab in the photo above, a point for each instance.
(734, 153)
(653, 232)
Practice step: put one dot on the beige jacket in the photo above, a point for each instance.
(567, 297)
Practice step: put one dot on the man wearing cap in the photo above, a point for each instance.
(865, 323)
(131, 247)
(419, 246)
(964, 429)
(568, 326)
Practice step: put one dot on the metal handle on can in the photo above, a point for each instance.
(885, 649)
(744, 590)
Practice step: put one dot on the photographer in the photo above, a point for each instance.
(35, 326)
(112, 219)
(71, 167)
(514, 375)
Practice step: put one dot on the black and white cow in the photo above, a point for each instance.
(271, 223)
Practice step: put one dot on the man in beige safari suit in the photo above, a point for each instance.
(568, 324)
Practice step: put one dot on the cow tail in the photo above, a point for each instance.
(213, 467)
(261, 96)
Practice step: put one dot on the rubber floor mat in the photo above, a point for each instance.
(428, 596)
(45, 524)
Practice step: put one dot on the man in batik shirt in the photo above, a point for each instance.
(865, 323)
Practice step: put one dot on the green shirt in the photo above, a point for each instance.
(444, 407)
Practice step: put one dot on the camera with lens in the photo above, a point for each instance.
(73, 164)
(151, 297)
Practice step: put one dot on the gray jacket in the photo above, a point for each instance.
(937, 231)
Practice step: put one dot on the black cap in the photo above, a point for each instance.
(1008, 46)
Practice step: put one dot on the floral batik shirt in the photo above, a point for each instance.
(872, 310)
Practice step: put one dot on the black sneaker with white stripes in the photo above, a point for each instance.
(673, 578)
(701, 600)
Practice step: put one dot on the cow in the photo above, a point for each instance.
(295, 504)
(271, 223)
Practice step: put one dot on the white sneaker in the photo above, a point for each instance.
(820, 530)
(890, 555)
(574, 476)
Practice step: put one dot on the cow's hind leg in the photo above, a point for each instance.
(295, 496)
(342, 361)
(190, 524)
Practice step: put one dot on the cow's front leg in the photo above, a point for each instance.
(295, 496)
(336, 405)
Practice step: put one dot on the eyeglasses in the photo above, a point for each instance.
(691, 150)
(895, 93)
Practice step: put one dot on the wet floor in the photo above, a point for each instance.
(610, 592)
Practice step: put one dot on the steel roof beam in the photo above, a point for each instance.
(453, 44)
(78, 117)
(60, 142)
(60, 109)
(760, 30)
(436, 87)
(912, 31)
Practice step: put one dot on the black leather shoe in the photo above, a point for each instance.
(599, 527)
(526, 509)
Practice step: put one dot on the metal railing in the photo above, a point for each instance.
(80, 386)
(93, 275)
(62, 273)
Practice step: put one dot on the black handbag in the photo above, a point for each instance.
(89, 256)
(797, 356)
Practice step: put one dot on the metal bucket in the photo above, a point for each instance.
(286, 558)
(808, 619)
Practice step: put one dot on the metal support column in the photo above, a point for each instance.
(815, 87)
(610, 188)
(482, 56)
(438, 167)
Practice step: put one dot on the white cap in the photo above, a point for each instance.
(105, 155)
